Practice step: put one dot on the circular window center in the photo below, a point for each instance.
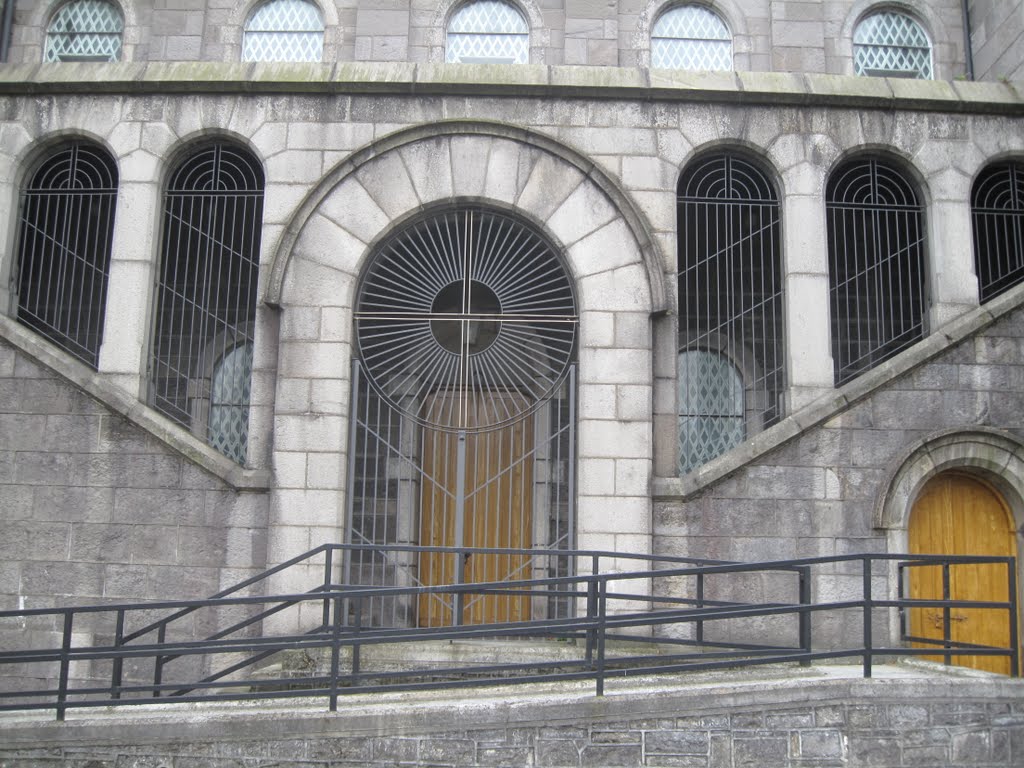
(471, 325)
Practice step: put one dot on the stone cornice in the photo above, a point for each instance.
(498, 80)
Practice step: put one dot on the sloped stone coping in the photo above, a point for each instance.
(773, 88)
(832, 403)
(134, 410)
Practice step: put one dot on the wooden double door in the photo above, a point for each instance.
(959, 514)
(476, 491)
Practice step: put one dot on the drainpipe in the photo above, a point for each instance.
(968, 51)
(5, 29)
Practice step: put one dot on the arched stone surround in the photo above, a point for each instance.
(316, 269)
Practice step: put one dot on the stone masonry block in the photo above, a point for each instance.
(508, 168)
(430, 168)
(387, 182)
(585, 210)
(607, 248)
(612, 439)
(550, 182)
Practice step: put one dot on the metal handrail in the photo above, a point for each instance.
(609, 611)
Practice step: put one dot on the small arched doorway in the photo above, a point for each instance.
(960, 514)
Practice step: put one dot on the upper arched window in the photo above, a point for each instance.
(488, 31)
(85, 30)
(206, 296)
(691, 37)
(66, 232)
(997, 210)
(731, 344)
(284, 30)
(875, 227)
(891, 44)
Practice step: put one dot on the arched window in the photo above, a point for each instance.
(731, 352)
(284, 30)
(85, 30)
(206, 296)
(691, 37)
(997, 210)
(711, 407)
(489, 31)
(66, 231)
(891, 44)
(875, 227)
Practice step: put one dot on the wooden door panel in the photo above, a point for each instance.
(497, 510)
(957, 514)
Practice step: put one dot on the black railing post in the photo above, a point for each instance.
(602, 607)
(805, 615)
(1011, 585)
(868, 604)
(118, 667)
(904, 620)
(946, 634)
(336, 649)
(65, 665)
(355, 645)
(591, 617)
(328, 563)
(700, 606)
(158, 661)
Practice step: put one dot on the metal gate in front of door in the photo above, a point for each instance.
(463, 418)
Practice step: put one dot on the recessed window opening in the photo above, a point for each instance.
(875, 226)
(488, 31)
(85, 30)
(891, 44)
(997, 212)
(206, 296)
(66, 232)
(731, 353)
(691, 37)
(284, 30)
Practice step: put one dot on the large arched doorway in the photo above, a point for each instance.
(960, 514)
(464, 413)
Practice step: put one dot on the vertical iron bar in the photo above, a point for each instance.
(868, 604)
(805, 614)
(602, 607)
(946, 634)
(900, 596)
(158, 661)
(460, 513)
(328, 567)
(65, 664)
(116, 673)
(336, 649)
(350, 481)
(700, 605)
(1011, 585)
(356, 646)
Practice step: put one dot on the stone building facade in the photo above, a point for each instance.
(108, 494)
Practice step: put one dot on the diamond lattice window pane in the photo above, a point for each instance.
(284, 30)
(85, 30)
(229, 403)
(691, 37)
(488, 31)
(710, 407)
(892, 44)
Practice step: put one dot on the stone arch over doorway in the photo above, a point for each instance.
(940, 469)
(314, 275)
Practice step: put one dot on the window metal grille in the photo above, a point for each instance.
(488, 31)
(284, 30)
(691, 37)
(66, 232)
(890, 44)
(997, 210)
(875, 227)
(463, 432)
(206, 296)
(731, 362)
(85, 30)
